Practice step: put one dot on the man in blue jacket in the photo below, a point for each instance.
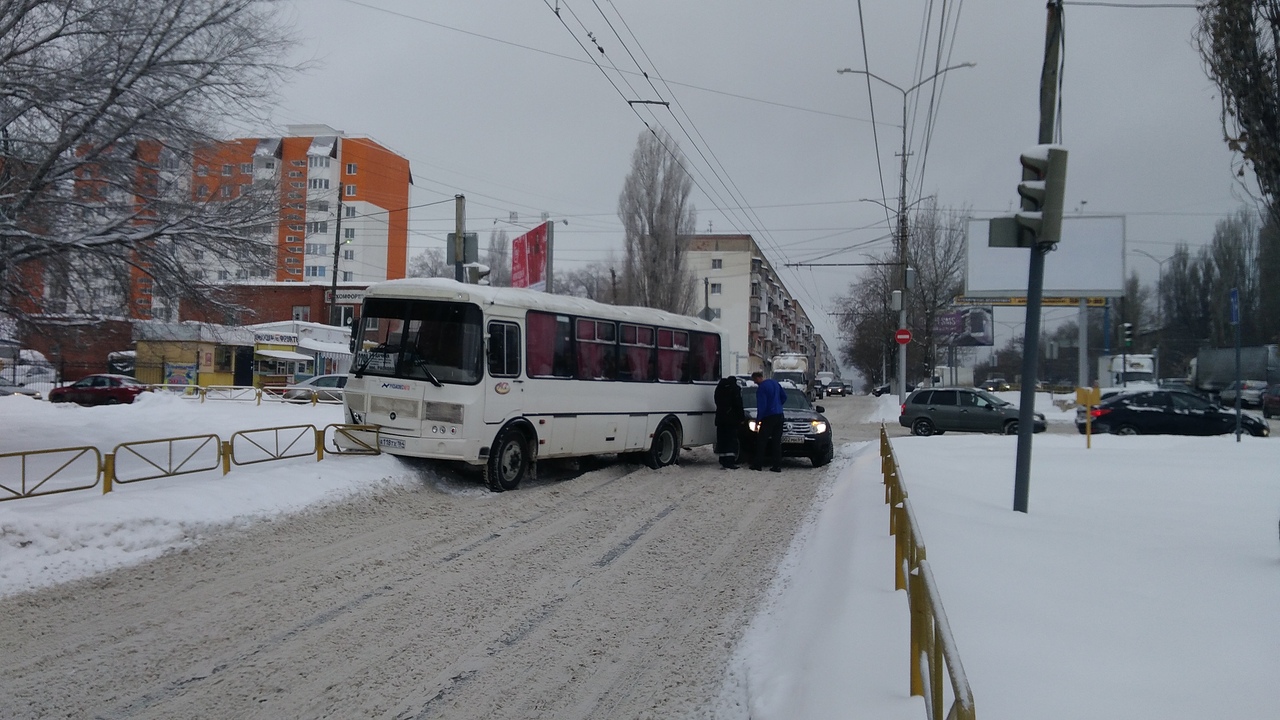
(770, 398)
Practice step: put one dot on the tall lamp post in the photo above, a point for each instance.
(1159, 301)
(902, 211)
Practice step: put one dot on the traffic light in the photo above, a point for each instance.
(1039, 222)
(1127, 330)
(1045, 170)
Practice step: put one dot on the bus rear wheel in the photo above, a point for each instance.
(508, 461)
(665, 449)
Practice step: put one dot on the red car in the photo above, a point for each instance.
(100, 390)
(1271, 401)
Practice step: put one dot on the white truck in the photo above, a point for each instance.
(794, 367)
(1213, 369)
(1126, 370)
(947, 376)
(825, 379)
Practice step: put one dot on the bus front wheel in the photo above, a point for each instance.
(508, 460)
(665, 449)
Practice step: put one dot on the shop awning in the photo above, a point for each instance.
(283, 355)
(324, 347)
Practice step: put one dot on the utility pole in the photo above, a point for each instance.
(1035, 273)
(459, 238)
(902, 258)
(334, 317)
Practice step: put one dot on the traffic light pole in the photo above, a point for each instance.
(1035, 272)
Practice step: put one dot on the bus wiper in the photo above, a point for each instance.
(359, 372)
(422, 365)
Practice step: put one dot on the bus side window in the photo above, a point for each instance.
(548, 345)
(504, 349)
(706, 357)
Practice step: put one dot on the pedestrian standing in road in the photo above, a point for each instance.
(729, 418)
(770, 398)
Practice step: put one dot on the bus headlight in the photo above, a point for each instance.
(819, 427)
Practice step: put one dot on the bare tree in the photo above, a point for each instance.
(1237, 40)
(430, 264)
(936, 249)
(657, 217)
(595, 281)
(103, 105)
(499, 259)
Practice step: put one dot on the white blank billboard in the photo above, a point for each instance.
(1089, 261)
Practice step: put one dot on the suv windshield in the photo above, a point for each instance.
(420, 339)
(795, 400)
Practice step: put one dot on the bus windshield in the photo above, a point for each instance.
(430, 340)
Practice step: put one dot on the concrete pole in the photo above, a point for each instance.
(460, 232)
(1082, 352)
(334, 318)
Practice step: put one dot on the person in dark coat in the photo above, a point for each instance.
(770, 398)
(729, 419)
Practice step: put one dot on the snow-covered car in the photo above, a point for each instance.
(8, 388)
(323, 388)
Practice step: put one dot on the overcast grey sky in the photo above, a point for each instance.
(497, 100)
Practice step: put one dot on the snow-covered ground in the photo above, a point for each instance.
(1144, 582)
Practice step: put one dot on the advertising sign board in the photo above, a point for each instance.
(967, 327)
(1087, 262)
(529, 259)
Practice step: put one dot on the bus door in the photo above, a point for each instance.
(504, 388)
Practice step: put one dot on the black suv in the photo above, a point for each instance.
(805, 430)
(933, 411)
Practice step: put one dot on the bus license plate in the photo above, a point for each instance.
(792, 439)
(393, 443)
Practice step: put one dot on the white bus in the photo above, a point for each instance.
(502, 377)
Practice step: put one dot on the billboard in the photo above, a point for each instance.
(966, 327)
(1088, 261)
(529, 259)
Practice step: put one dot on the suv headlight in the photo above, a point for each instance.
(819, 427)
(753, 425)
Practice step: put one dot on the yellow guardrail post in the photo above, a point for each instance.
(915, 601)
(258, 395)
(108, 471)
(315, 398)
(319, 444)
(226, 457)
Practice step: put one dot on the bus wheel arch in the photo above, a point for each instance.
(665, 448)
(511, 457)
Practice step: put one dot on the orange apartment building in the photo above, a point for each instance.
(333, 188)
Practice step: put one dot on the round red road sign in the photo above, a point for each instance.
(902, 336)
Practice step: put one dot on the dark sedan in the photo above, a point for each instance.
(1271, 401)
(1170, 412)
(100, 390)
(805, 430)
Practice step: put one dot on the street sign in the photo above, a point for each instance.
(902, 336)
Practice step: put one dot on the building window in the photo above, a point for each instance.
(197, 255)
(246, 168)
(227, 170)
(269, 165)
(224, 275)
(317, 249)
(299, 163)
(348, 254)
(292, 261)
(315, 271)
(302, 312)
(318, 183)
(351, 168)
(351, 212)
(202, 191)
(202, 170)
(351, 191)
(321, 205)
(295, 173)
(348, 276)
(320, 226)
(349, 233)
(294, 249)
(291, 238)
(244, 188)
(226, 191)
(715, 288)
(317, 161)
(717, 264)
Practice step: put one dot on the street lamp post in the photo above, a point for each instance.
(902, 210)
(1159, 301)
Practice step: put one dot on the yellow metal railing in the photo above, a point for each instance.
(933, 649)
(32, 473)
(45, 472)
